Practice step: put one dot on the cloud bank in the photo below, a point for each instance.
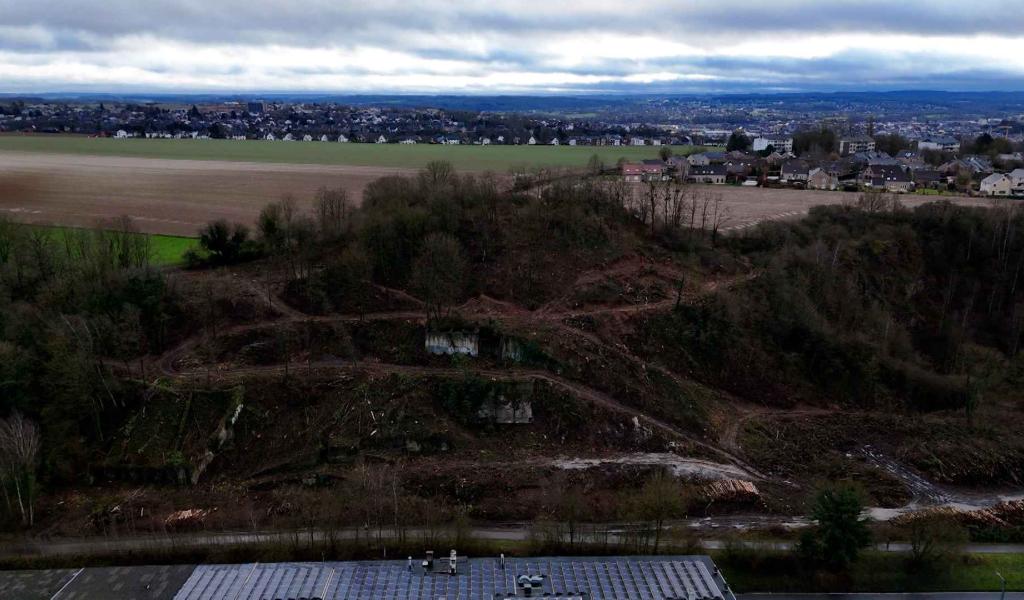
(509, 46)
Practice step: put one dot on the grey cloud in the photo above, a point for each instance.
(32, 31)
(318, 22)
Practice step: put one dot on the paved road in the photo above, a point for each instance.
(512, 532)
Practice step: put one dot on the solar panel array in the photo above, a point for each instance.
(634, 578)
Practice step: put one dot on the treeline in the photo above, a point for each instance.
(823, 142)
(868, 306)
(69, 301)
(441, 235)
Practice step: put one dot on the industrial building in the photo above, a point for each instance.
(450, 578)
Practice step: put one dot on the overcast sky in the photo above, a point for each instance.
(510, 46)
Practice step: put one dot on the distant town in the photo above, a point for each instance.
(877, 142)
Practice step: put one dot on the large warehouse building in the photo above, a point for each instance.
(450, 578)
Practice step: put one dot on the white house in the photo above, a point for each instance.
(307, 138)
(699, 160)
(555, 142)
(289, 137)
(121, 134)
(324, 138)
(1017, 181)
(820, 179)
(637, 141)
(997, 184)
(485, 141)
(407, 141)
(270, 137)
(342, 139)
(532, 141)
(501, 139)
(781, 144)
(382, 140)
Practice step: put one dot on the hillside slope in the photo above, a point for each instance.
(286, 380)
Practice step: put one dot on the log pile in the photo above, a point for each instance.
(730, 490)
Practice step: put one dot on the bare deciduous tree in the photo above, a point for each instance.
(19, 455)
(439, 273)
(333, 213)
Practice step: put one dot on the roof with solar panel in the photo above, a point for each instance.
(425, 578)
(616, 578)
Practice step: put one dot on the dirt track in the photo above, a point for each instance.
(177, 197)
(163, 196)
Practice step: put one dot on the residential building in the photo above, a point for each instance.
(713, 174)
(820, 179)
(782, 144)
(854, 144)
(1017, 181)
(892, 179)
(648, 170)
(699, 160)
(680, 166)
(928, 179)
(996, 184)
(794, 171)
(939, 143)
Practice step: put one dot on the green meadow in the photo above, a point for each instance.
(463, 157)
(165, 250)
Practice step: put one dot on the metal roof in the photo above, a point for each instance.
(34, 585)
(613, 578)
(126, 583)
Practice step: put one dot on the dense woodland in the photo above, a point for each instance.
(870, 305)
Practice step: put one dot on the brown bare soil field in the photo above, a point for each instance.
(176, 197)
(166, 196)
(746, 207)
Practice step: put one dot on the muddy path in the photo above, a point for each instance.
(168, 363)
(726, 448)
